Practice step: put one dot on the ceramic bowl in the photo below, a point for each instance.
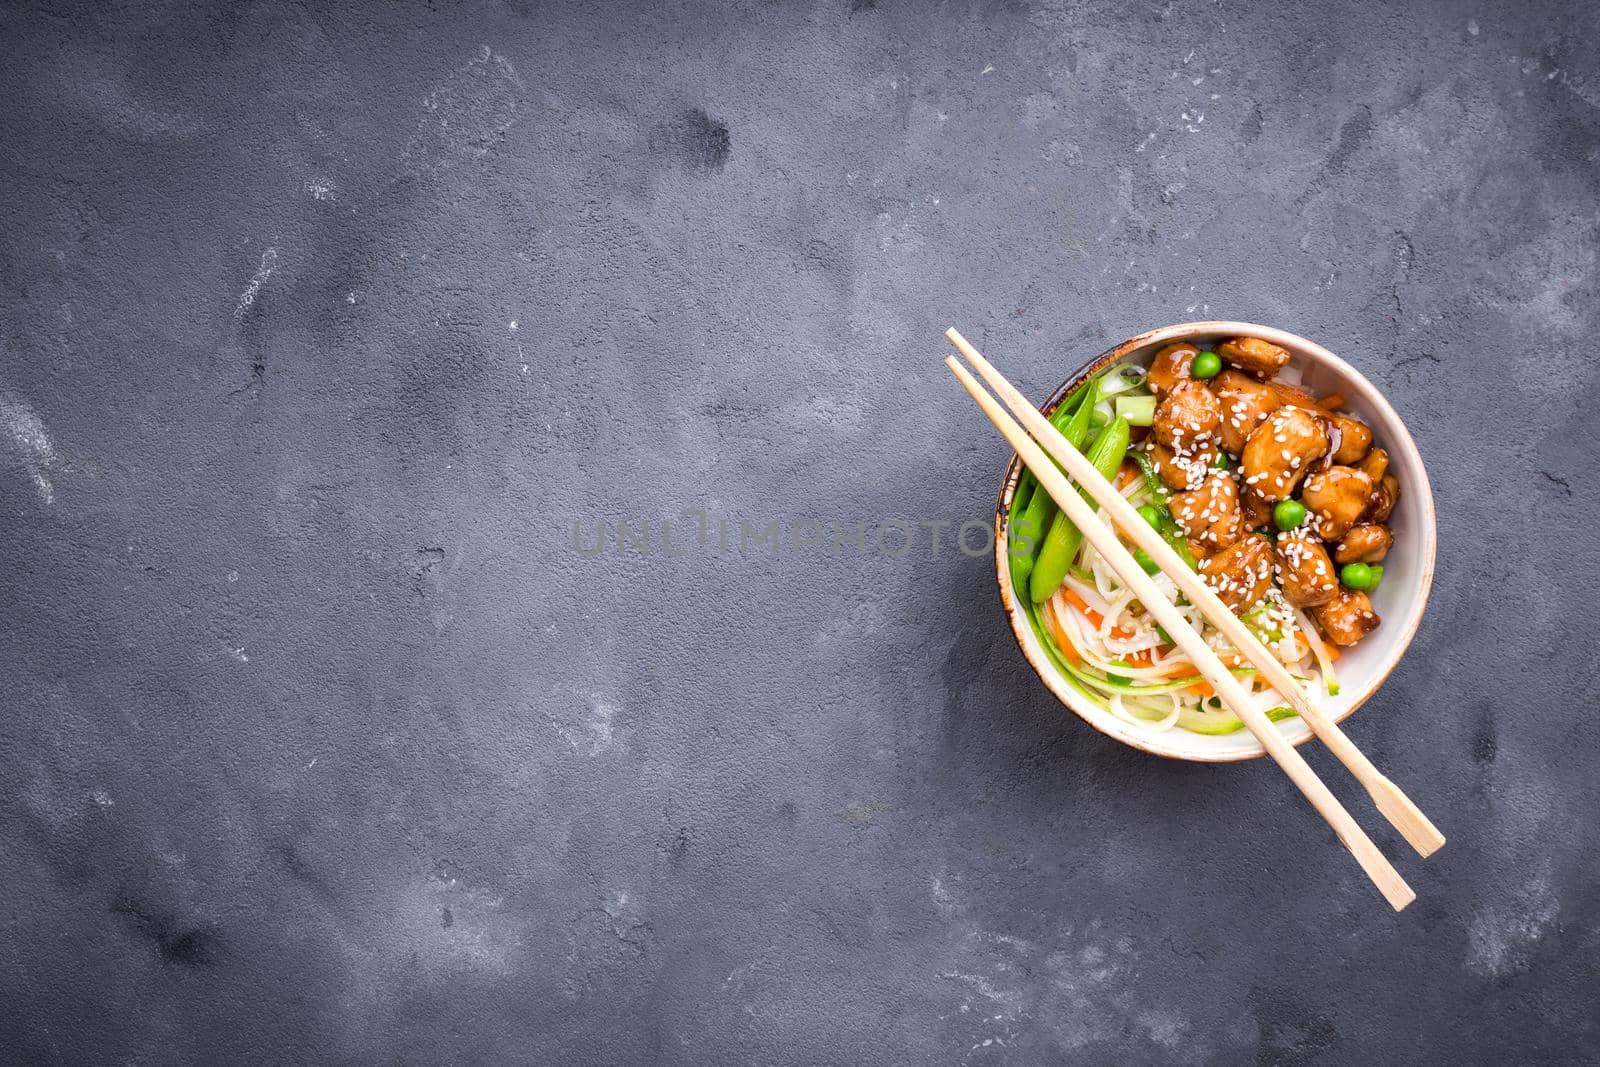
(1399, 601)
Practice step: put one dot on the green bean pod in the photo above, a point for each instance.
(1069, 403)
(1061, 544)
(1059, 418)
(1025, 487)
(1027, 529)
(1076, 431)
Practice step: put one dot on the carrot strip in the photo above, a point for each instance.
(1096, 619)
(1178, 670)
(1059, 635)
(1070, 595)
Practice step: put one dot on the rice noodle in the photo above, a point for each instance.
(1330, 681)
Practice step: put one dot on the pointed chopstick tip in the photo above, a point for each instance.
(961, 343)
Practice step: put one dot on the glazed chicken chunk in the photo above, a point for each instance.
(1305, 571)
(1255, 509)
(1336, 497)
(1184, 469)
(1375, 464)
(1210, 514)
(1280, 451)
(1254, 355)
(1352, 438)
(1241, 573)
(1366, 543)
(1171, 366)
(1384, 498)
(1187, 416)
(1245, 403)
(1348, 618)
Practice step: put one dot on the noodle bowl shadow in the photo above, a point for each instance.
(1399, 601)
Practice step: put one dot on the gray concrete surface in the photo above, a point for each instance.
(324, 326)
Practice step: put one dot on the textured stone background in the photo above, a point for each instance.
(322, 328)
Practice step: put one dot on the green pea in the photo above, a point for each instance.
(1221, 462)
(1206, 365)
(1287, 514)
(1148, 565)
(1377, 576)
(1151, 514)
(1357, 576)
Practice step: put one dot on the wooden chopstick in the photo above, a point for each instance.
(1398, 808)
(1104, 540)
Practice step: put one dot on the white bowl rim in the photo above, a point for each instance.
(1296, 731)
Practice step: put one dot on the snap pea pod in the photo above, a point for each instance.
(1042, 512)
(1076, 431)
(1069, 403)
(1059, 418)
(1062, 542)
(1027, 530)
(1020, 499)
